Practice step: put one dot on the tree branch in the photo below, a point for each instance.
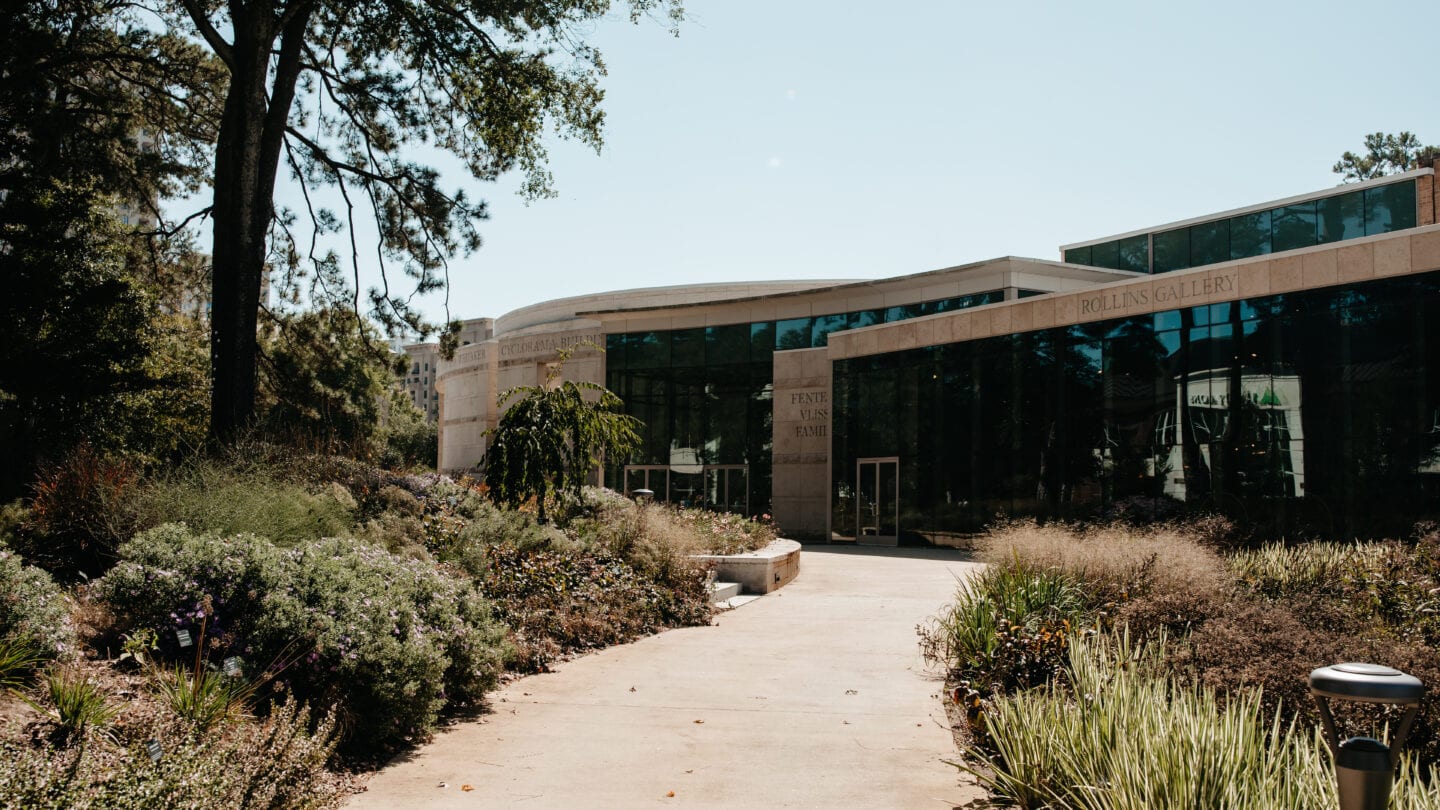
(212, 37)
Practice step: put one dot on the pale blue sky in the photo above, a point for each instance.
(781, 140)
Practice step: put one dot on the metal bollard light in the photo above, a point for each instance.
(1365, 767)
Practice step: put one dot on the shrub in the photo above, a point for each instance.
(276, 763)
(78, 514)
(1008, 629)
(1276, 570)
(568, 599)
(80, 704)
(229, 498)
(1116, 562)
(387, 641)
(1125, 736)
(33, 609)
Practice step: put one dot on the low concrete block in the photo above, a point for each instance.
(758, 572)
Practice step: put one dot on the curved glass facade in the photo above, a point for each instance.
(1310, 411)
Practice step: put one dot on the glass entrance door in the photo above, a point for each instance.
(877, 502)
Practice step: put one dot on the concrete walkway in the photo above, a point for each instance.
(814, 696)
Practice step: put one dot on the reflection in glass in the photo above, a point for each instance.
(1341, 217)
(792, 334)
(1080, 255)
(1172, 250)
(1210, 242)
(1135, 254)
(1389, 208)
(1250, 235)
(824, 325)
(1106, 254)
(1293, 226)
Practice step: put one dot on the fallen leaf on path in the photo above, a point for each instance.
(467, 788)
(670, 795)
(698, 722)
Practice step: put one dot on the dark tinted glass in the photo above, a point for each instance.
(902, 313)
(866, 317)
(762, 341)
(614, 352)
(687, 347)
(1135, 254)
(1030, 293)
(1080, 255)
(1390, 208)
(647, 350)
(725, 345)
(1250, 235)
(792, 334)
(1172, 250)
(1293, 226)
(824, 325)
(1342, 217)
(1210, 243)
(1106, 254)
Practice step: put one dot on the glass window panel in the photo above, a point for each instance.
(648, 350)
(1199, 316)
(1080, 255)
(762, 341)
(1210, 242)
(615, 352)
(1250, 235)
(792, 334)
(1106, 254)
(1390, 208)
(866, 317)
(1019, 294)
(824, 325)
(1135, 253)
(687, 348)
(906, 312)
(1292, 227)
(1169, 319)
(1172, 250)
(1342, 217)
(727, 344)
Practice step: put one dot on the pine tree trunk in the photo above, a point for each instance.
(247, 154)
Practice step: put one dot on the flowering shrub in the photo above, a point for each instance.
(388, 641)
(33, 608)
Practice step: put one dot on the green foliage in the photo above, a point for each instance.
(204, 696)
(1008, 629)
(390, 641)
(1123, 736)
(228, 498)
(406, 438)
(19, 656)
(551, 437)
(1277, 570)
(271, 764)
(82, 360)
(1385, 154)
(33, 609)
(79, 704)
(324, 378)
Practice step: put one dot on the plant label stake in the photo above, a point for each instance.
(183, 636)
(232, 666)
(152, 747)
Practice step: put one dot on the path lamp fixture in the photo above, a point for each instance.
(1365, 767)
(643, 495)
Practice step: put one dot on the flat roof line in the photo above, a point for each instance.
(1344, 188)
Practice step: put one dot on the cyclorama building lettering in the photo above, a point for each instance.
(1293, 389)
